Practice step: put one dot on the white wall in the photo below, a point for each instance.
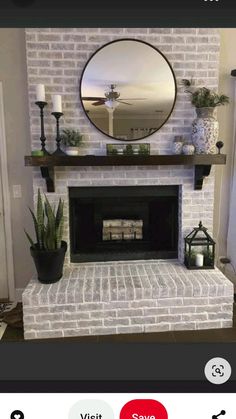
(13, 77)
(226, 119)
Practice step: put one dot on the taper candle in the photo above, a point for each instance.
(40, 93)
(57, 106)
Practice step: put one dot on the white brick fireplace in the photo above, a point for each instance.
(124, 297)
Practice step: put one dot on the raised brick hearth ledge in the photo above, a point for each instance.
(132, 297)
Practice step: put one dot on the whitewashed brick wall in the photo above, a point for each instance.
(56, 57)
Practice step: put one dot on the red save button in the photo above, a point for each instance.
(143, 409)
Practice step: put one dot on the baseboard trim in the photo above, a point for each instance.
(18, 294)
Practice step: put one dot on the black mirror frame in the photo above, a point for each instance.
(172, 71)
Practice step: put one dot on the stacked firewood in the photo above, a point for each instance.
(122, 229)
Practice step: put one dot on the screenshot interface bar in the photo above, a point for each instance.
(123, 406)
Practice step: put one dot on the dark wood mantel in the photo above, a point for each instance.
(201, 162)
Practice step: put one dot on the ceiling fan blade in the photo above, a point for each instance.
(98, 103)
(91, 98)
(134, 98)
(124, 103)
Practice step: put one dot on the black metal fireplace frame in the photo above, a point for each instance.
(124, 192)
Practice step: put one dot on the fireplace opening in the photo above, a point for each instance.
(123, 223)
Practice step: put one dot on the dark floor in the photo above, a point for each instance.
(215, 335)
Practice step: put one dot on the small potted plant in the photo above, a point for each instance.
(111, 150)
(144, 149)
(48, 252)
(71, 139)
(129, 150)
(205, 128)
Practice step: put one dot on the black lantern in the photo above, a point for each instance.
(199, 249)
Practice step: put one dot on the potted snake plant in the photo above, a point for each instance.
(48, 252)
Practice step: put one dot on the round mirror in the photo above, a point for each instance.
(128, 89)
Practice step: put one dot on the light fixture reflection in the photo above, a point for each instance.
(111, 104)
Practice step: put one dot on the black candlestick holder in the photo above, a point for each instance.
(41, 106)
(219, 145)
(59, 151)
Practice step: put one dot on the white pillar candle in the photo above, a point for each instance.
(57, 106)
(40, 93)
(199, 260)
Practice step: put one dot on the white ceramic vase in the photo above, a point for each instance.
(188, 149)
(205, 131)
(72, 151)
(177, 146)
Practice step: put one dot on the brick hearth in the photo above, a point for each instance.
(113, 298)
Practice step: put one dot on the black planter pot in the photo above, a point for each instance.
(49, 264)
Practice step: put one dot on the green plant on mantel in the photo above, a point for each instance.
(129, 150)
(71, 138)
(143, 149)
(114, 151)
(48, 225)
(202, 97)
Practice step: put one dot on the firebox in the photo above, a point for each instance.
(123, 223)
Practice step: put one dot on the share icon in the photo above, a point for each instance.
(222, 413)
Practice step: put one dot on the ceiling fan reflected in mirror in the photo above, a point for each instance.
(111, 97)
(128, 87)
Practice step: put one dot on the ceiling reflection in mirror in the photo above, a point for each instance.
(128, 89)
